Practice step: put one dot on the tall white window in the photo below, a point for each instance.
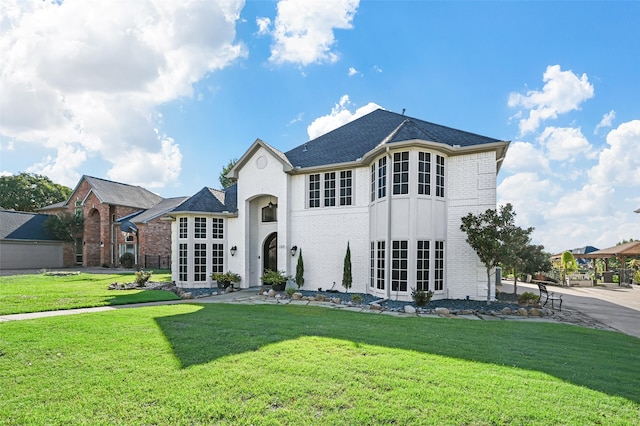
(382, 177)
(380, 266)
(217, 258)
(200, 227)
(401, 173)
(372, 265)
(439, 176)
(345, 188)
(422, 266)
(200, 262)
(438, 267)
(183, 228)
(217, 228)
(314, 190)
(373, 182)
(399, 265)
(182, 262)
(424, 173)
(330, 189)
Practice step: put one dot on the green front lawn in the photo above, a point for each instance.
(241, 364)
(37, 293)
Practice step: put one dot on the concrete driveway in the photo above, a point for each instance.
(609, 307)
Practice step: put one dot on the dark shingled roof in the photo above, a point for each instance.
(353, 140)
(164, 206)
(121, 194)
(211, 201)
(24, 226)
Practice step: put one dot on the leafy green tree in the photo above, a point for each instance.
(300, 271)
(347, 278)
(65, 226)
(28, 191)
(224, 180)
(493, 235)
(532, 258)
(568, 265)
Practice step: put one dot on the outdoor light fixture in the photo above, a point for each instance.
(270, 205)
(233, 250)
(294, 249)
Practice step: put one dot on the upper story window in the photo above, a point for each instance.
(382, 177)
(329, 197)
(330, 189)
(217, 228)
(424, 173)
(346, 187)
(78, 210)
(439, 176)
(373, 182)
(314, 190)
(200, 227)
(182, 228)
(401, 173)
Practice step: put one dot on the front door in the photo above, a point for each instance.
(270, 252)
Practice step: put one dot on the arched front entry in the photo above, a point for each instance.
(270, 252)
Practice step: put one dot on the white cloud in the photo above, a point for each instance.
(606, 121)
(263, 24)
(377, 68)
(119, 64)
(619, 163)
(338, 116)
(525, 157)
(296, 119)
(563, 91)
(353, 71)
(304, 30)
(564, 143)
(5, 173)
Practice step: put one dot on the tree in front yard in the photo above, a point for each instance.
(27, 192)
(224, 180)
(300, 271)
(347, 278)
(65, 226)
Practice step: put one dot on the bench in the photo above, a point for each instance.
(548, 296)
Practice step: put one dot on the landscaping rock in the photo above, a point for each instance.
(375, 307)
(506, 311)
(442, 311)
(336, 300)
(321, 298)
(187, 296)
(272, 293)
(466, 312)
(296, 296)
(523, 312)
(535, 312)
(409, 309)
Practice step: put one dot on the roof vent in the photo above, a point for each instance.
(305, 148)
(403, 110)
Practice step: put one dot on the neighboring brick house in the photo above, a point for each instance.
(392, 187)
(104, 205)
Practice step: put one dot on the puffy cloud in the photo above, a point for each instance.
(530, 194)
(84, 78)
(562, 92)
(564, 143)
(619, 163)
(525, 157)
(353, 71)
(263, 24)
(606, 121)
(339, 116)
(303, 31)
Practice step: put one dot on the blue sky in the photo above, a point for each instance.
(164, 94)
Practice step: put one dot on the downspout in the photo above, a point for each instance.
(387, 277)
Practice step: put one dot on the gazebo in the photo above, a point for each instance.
(622, 252)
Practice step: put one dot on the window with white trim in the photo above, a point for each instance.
(346, 187)
(217, 258)
(424, 173)
(217, 228)
(200, 262)
(438, 267)
(382, 177)
(373, 182)
(399, 265)
(314, 190)
(380, 270)
(200, 227)
(372, 265)
(330, 189)
(401, 173)
(183, 228)
(182, 262)
(439, 176)
(422, 266)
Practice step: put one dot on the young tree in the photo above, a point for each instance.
(28, 191)
(224, 180)
(65, 226)
(532, 259)
(516, 243)
(300, 271)
(488, 234)
(347, 278)
(568, 264)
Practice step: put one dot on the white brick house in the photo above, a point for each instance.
(391, 186)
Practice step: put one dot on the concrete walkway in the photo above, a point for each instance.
(608, 308)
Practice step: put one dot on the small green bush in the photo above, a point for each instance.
(290, 291)
(356, 298)
(142, 277)
(421, 297)
(527, 297)
(127, 260)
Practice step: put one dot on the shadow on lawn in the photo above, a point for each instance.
(602, 361)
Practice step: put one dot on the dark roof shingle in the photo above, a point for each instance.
(211, 201)
(24, 226)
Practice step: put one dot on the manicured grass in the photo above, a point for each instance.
(37, 293)
(241, 364)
